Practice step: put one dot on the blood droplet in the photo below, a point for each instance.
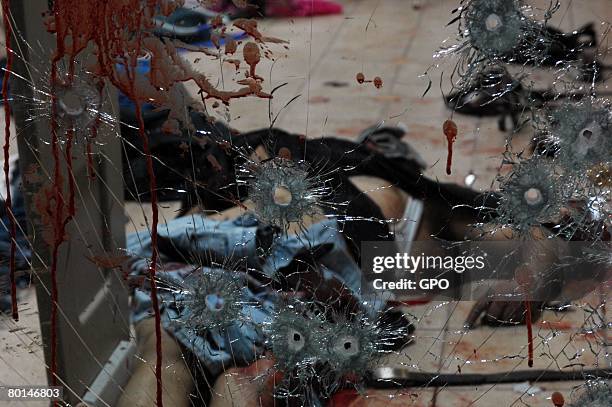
(557, 399)
(450, 131)
(378, 82)
(284, 153)
(360, 78)
(252, 56)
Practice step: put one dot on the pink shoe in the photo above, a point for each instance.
(303, 8)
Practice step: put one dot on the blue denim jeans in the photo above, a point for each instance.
(244, 340)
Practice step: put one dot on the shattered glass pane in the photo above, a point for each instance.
(306, 202)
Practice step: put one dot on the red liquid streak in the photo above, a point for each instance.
(450, 131)
(155, 215)
(108, 27)
(529, 333)
(105, 42)
(59, 227)
(153, 267)
(7, 140)
(59, 222)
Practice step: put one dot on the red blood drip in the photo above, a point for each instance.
(557, 399)
(450, 131)
(252, 56)
(59, 221)
(360, 78)
(57, 218)
(529, 334)
(131, 92)
(378, 82)
(524, 278)
(153, 268)
(107, 28)
(7, 139)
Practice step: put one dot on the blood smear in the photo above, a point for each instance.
(450, 131)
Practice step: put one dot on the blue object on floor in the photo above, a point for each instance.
(24, 252)
(242, 342)
(144, 66)
(222, 41)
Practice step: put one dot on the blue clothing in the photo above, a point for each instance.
(23, 252)
(244, 340)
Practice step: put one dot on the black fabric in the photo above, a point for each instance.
(203, 161)
(329, 155)
(190, 161)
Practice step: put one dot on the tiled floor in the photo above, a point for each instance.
(393, 39)
(21, 354)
